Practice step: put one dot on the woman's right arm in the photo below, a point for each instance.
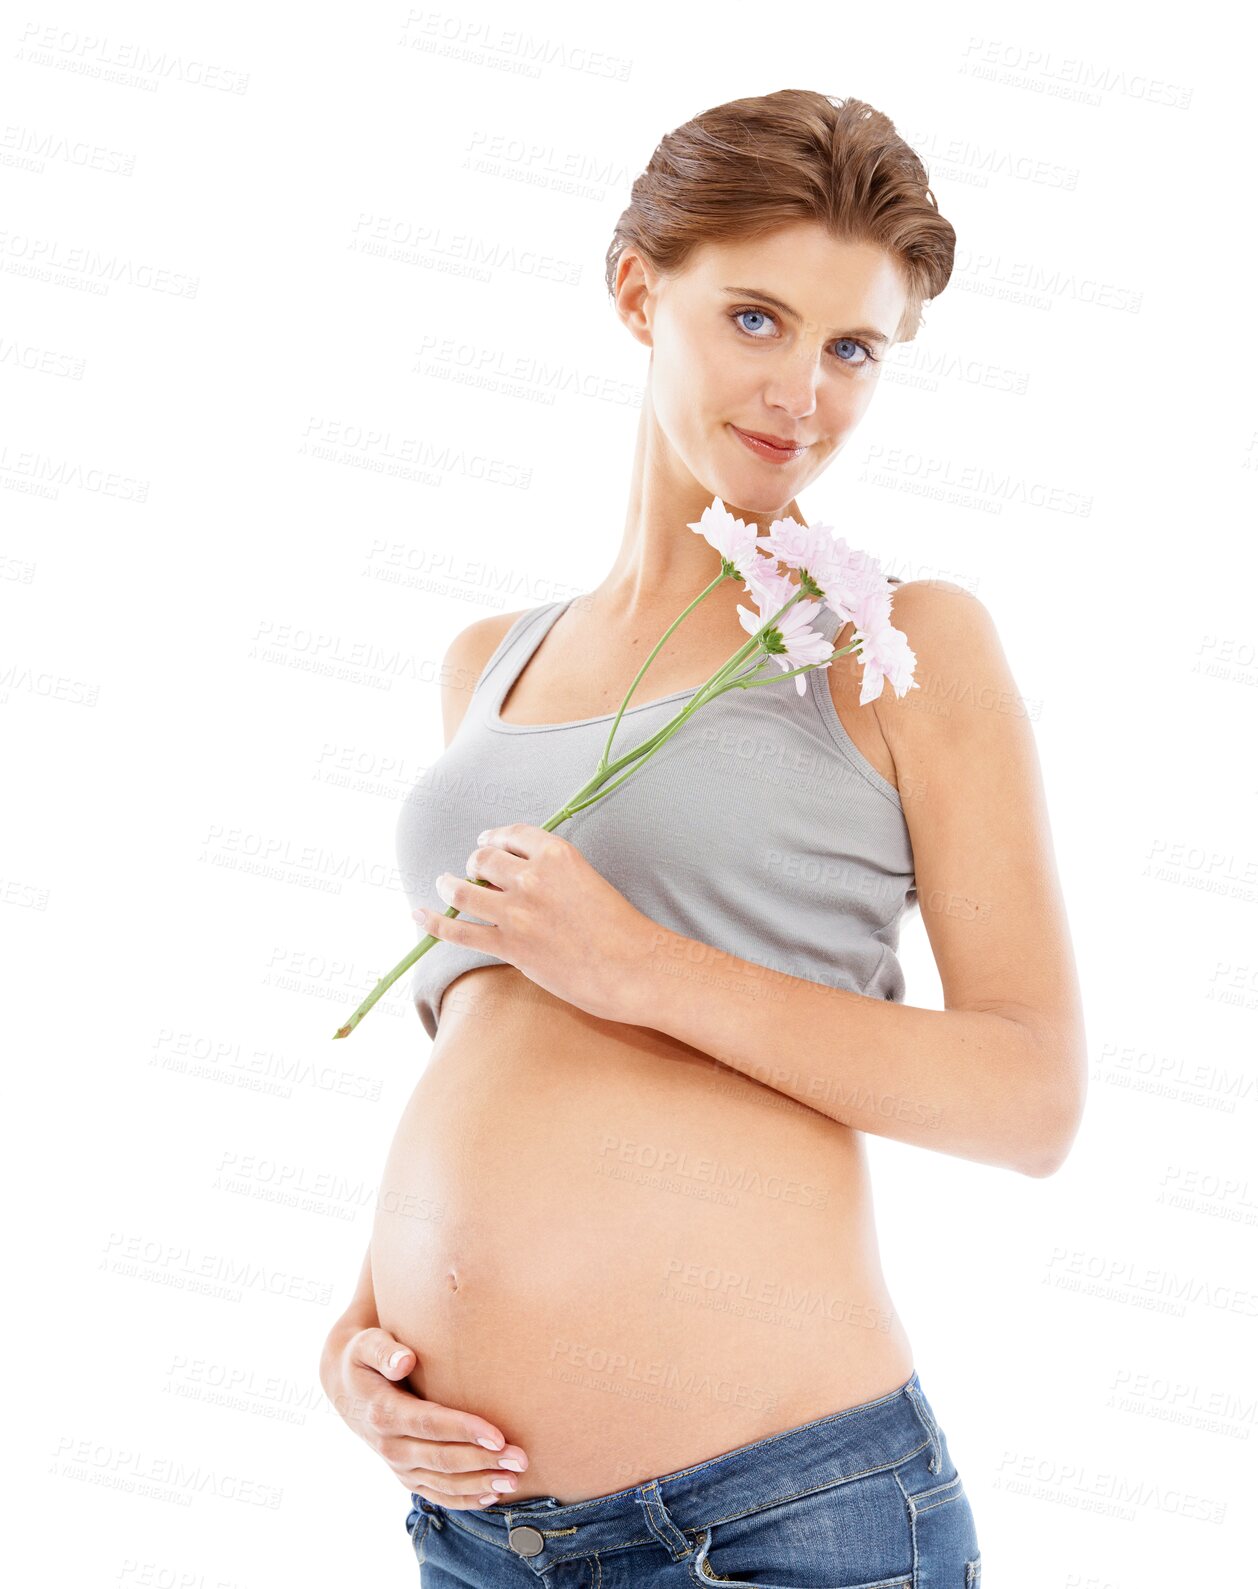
(434, 1451)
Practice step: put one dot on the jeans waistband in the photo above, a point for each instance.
(780, 1467)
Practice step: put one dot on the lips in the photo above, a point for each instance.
(777, 450)
(785, 443)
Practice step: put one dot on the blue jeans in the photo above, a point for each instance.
(867, 1498)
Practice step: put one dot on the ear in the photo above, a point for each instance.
(635, 287)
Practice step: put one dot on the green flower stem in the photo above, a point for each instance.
(600, 783)
(727, 571)
(720, 681)
(646, 750)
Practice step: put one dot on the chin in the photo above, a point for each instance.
(765, 498)
(742, 501)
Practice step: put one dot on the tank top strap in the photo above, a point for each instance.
(825, 621)
(512, 653)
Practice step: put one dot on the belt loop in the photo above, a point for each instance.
(433, 1511)
(660, 1523)
(918, 1400)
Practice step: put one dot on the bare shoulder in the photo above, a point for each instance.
(464, 662)
(937, 605)
(959, 665)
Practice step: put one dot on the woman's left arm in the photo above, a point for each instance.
(998, 1075)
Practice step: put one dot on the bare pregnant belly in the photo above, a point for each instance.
(627, 1256)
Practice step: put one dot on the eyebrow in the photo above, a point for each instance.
(868, 332)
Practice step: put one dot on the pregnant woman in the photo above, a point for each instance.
(622, 1320)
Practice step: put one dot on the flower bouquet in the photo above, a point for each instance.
(829, 572)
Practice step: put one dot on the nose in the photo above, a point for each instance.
(792, 386)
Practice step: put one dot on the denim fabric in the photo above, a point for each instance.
(867, 1498)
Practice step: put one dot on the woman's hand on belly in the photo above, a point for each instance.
(433, 1450)
(545, 910)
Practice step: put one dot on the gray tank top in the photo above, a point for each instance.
(758, 829)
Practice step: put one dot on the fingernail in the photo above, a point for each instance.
(510, 1462)
(503, 1486)
(490, 1445)
(488, 1500)
(397, 1358)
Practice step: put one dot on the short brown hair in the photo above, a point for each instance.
(750, 166)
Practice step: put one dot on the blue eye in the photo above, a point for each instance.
(739, 313)
(849, 342)
(763, 315)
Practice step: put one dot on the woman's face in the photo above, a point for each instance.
(781, 336)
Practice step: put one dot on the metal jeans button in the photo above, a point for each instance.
(525, 1541)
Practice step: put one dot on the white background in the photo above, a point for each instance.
(306, 363)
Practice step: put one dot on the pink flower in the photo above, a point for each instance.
(790, 642)
(842, 572)
(857, 591)
(735, 541)
(884, 653)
